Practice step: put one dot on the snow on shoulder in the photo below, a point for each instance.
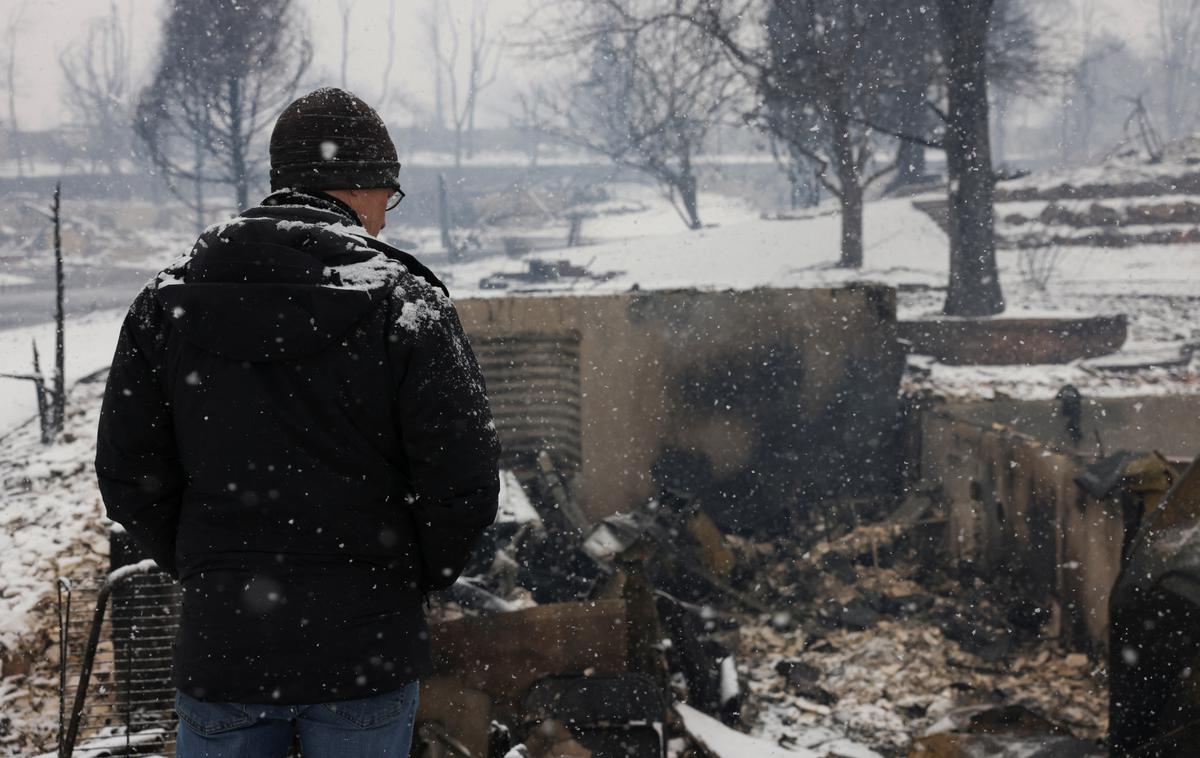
(374, 273)
(422, 305)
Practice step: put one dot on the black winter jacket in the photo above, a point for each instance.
(296, 428)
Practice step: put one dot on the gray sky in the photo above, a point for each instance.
(48, 26)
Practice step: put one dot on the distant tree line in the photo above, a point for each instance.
(854, 90)
(850, 93)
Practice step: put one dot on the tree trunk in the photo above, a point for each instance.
(910, 155)
(471, 129)
(198, 183)
(974, 286)
(851, 191)
(391, 55)
(39, 386)
(687, 194)
(237, 146)
(435, 32)
(852, 228)
(910, 164)
(345, 43)
(444, 217)
(15, 131)
(1064, 137)
(59, 413)
(1000, 127)
(10, 77)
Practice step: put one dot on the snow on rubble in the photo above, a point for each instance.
(52, 525)
(51, 514)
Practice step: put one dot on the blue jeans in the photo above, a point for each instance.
(381, 725)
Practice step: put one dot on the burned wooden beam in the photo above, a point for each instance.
(503, 655)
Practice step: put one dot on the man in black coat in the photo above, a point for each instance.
(296, 429)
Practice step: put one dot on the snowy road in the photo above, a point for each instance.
(29, 298)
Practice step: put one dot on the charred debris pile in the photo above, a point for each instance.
(831, 630)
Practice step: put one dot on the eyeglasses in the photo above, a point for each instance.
(395, 199)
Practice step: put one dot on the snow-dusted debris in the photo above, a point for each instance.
(50, 513)
(723, 742)
(515, 506)
(52, 525)
(895, 681)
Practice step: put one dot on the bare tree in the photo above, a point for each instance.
(391, 55)
(227, 69)
(10, 33)
(530, 119)
(801, 173)
(820, 70)
(821, 81)
(467, 69)
(98, 86)
(1179, 39)
(52, 401)
(1081, 85)
(433, 26)
(346, 9)
(645, 96)
(914, 59)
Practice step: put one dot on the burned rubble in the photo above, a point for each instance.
(689, 564)
(829, 630)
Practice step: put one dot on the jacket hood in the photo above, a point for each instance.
(266, 286)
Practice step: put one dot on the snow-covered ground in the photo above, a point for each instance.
(14, 280)
(1157, 287)
(903, 247)
(737, 249)
(89, 341)
(51, 525)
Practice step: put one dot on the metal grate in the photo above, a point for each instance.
(533, 386)
(127, 707)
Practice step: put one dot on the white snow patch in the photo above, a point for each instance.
(14, 280)
(221, 227)
(371, 274)
(515, 507)
(723, 742)
(89, 340)
(417, 314)
(287, 225)
(353, 230)
(50, 506)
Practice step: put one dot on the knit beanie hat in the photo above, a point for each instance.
(329, 139)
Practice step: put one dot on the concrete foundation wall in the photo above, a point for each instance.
(765, 398)
(1169, 424)
(1014, 508)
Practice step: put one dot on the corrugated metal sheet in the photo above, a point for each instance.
(533, 385)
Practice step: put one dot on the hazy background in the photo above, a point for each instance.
(50, 26)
